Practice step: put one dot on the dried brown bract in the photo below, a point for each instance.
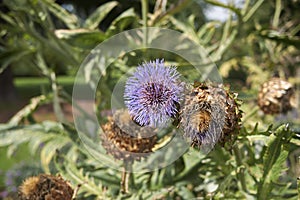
(45, 187)
(276, 96)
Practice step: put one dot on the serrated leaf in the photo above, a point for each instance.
(39, 140)
(8, 137)
(49, 150)
(274, 157)
(93, 21)
(273, 150)
(79, 176)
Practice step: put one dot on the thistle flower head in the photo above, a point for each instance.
(276, 96)
(209, 115)
(45, 186)
(152, 93)
(125, 140)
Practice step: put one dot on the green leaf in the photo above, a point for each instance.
(93, 21)
(127, 18)
(47, 136)
(49, 150)
(274, 158)
(185, 193)
(279, 37)
(252, 10)
(29, 109)
(13, 55)
(70, 20)
(78, 176)
(227, 6)
(81, 38)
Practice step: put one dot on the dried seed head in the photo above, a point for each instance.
(125, 140)
(276, 96)
(210, 114)
(46, 187)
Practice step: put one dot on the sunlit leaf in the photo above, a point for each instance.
(81, 38)
(93, 21)
(70, 20)
(128, 17)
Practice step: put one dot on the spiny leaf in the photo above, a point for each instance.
(49, 150)
(274, 157)
(78, 176)
(274, 149)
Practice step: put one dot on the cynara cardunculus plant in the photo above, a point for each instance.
(152, 93)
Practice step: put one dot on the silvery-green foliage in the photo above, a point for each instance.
(262, 164)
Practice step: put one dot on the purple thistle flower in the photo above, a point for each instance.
(152, 93)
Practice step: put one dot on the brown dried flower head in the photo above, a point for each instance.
(45, 187)
(276, 96)
(210, 114)
(125, 140)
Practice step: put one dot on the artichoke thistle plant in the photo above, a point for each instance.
(182, 124)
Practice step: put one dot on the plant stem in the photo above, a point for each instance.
(298, 184)
(126, 177)
(240, 167)
(145, 21)
(298, 179)
(175, 8)
(252, 10)
(277, 14)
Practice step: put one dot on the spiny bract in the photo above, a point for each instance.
(276, 96)
(125, 140)
(209, 115)
(47, 187)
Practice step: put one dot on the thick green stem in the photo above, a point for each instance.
(145, 21)
(240, 167)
